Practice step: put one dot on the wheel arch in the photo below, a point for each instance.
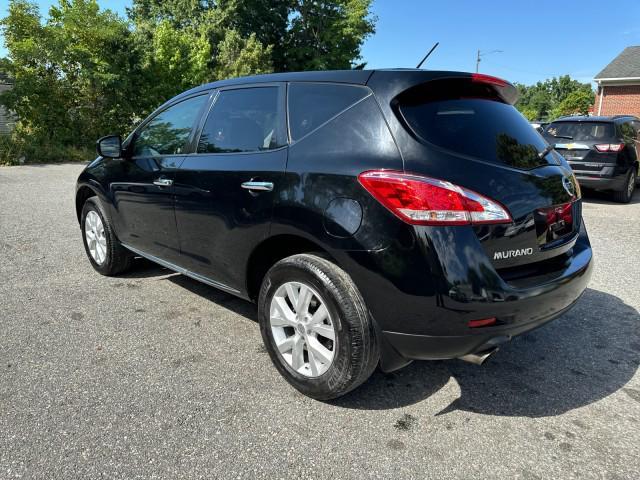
(272, 250)
(83, 193)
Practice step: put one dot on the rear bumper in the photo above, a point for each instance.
(609, 178)
(422, 315)
(602, 183)
(425, 347)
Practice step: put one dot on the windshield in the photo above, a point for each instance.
(581, 131)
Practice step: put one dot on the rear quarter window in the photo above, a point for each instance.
(313, 104)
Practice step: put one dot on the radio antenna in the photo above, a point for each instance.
(427, 55)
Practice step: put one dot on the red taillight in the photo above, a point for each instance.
(484, 322)
(609, 147)
(482, 78)
(422, 200)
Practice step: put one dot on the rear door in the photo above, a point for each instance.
(144, 195)
(225, 190)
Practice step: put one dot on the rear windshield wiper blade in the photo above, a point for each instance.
(560, 136)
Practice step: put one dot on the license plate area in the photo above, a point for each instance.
(555, 223)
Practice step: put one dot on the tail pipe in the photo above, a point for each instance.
(480, 357)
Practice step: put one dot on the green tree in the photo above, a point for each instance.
(578, 101)
(302, 34)
(179, 13)
(327, 34)
(554, 97)
(74, 75)
(239, 56)
(82, 72)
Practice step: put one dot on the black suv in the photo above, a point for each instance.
(602, 151)
(376, 217)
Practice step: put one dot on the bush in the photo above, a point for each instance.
(14, 151)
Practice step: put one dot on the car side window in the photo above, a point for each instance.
(244, 120)
(312, 104)
(167, 133)
(636, 127)
(628, 131)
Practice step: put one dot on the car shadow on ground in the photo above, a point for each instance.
(587, 354)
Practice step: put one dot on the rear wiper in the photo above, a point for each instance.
(560, 136)
(545, 152)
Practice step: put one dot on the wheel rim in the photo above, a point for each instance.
(302, 329)
(94, 235)
(632, 183)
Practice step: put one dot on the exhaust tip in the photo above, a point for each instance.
(480, 357)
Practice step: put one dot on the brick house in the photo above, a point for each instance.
(619, 85)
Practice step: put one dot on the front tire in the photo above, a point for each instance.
(105, 253)
(316, 327)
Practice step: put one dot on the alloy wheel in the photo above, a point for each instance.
(302, 329)
(94, 234)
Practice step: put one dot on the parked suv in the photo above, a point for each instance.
(602, 151)
(376, 217)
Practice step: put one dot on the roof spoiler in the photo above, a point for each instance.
(506, 90)
(388, 84)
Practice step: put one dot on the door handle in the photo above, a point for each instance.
(258, 186)
(163, 182)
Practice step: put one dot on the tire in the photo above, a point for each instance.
(355, 348)
(625, 195)
(116, 259)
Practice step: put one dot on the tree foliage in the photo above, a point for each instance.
(71, 81)
(554, 97)
(82, 72)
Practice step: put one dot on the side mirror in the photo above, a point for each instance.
(110, 146)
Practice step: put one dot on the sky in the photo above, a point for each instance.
(535, 39)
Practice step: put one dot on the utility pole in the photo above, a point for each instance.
(482, 54)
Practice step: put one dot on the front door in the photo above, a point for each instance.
(225, 191)
(145, 218)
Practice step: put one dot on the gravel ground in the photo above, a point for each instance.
(152, 375)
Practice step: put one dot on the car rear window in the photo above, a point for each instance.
(581, 131)
(313, 104)
(471, 120)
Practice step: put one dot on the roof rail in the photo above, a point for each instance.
(624, 116)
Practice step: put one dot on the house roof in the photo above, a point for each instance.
(624, 66)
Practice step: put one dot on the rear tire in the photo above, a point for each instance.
(626, 194)
(354, 351)
(106, 254)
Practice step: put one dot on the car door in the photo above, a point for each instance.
(144, 195)
(225, 190)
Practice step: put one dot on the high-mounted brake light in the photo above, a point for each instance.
(420, 200)
(609, 147)
(482, 78)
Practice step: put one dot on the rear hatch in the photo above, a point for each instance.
(463, 129)
(586, 145)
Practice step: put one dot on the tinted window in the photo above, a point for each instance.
(312, 104)
(243, 120)
(628, 131)
(580, 131)
(168, 132)
(471, 120)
